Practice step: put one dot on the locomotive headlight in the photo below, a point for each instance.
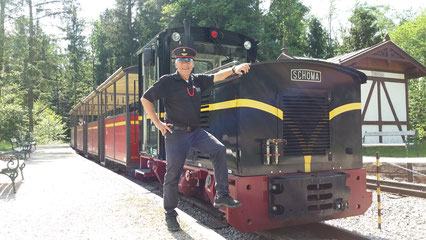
(175, 36)
(247, 45)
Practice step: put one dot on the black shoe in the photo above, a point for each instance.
(172, 223)
(225, 201)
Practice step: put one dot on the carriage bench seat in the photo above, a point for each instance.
(9, 166)
(409, 139)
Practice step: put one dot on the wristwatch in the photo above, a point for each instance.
(233, 69)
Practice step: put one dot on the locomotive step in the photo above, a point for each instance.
(143, 174)
(143, 171)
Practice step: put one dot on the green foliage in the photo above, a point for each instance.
(317, 39)
(77, 73)
(5, 146)
(411, 38)
(237, 15)
(285, 19)
(148, 19)
(12, 115)
(364, 31)
(417, 105)
(125, 37)
(114, 40)
(104, 63)
(49, 126)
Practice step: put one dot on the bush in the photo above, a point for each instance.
(49, 127)
(12, 115)
(417, 100)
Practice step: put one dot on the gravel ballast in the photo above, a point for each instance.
(402, 218)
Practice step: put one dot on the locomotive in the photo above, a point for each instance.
(292, 129)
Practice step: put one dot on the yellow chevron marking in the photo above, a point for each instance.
(344, 108)
(244, 103)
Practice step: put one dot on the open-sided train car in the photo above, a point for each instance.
(104, 124)
(292, 129)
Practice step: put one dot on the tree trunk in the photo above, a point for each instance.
(30, 86)
(129, 29)
(2, 36)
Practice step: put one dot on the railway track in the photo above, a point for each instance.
(308, 231)
(409, 189)
(311, 231)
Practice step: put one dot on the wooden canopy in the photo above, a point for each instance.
(116, 83)
(384, 56)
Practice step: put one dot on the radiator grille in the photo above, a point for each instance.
(306, 125)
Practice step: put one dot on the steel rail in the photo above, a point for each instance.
(311, 231)
(409, 189)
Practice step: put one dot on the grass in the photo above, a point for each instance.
(397, 151)
(5, 146)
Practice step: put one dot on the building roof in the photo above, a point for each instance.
(384, 56)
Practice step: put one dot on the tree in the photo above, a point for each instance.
(2, 35)
(332, 44)
(316, 39)
(12, 115)
(126, 37)
(148, 19)
(364, 31)
(76, 54)
(285, 20)
(238, 15)
(31, 74)
(411, 38)
(102, 53)
(114, 39)
(50, 127)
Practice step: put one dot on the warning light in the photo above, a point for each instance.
(213, 34)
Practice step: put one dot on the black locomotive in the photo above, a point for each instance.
(292, 129)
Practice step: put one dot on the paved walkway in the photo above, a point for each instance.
(65, 196)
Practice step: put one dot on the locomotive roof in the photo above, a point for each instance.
(193, 29)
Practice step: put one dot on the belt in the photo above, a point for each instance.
(186, 129)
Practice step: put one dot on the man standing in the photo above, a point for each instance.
(181, 92)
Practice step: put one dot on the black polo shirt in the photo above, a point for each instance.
(182, 99)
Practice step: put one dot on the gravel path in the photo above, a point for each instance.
(65, 196)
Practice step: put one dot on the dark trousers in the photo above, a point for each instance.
(178, 145)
